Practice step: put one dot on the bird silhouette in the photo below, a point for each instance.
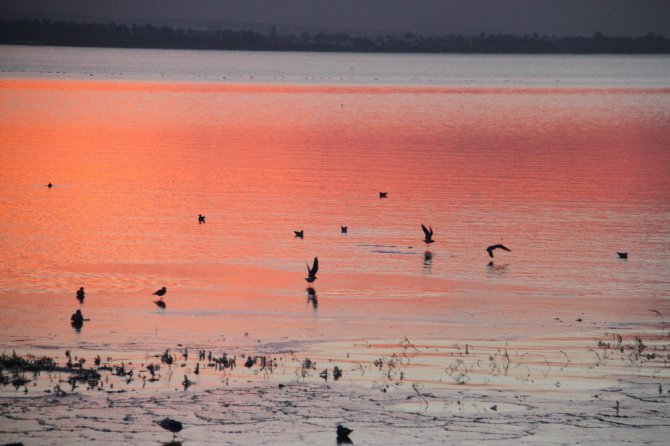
(77, 320)
(429, 234)
(160, 303)
(622, 255)
(81, 295)
(50, 185)
(299, 233)
(383, 194)
(311, 272)
(161, 292)
(201, 219)
(344, 229)
(492, 247)
(343, 434)
(171, 425)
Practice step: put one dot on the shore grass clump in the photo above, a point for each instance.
(27, 364)
(306, 368)
(166, 358)
(635, 352)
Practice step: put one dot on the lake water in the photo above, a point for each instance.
(139, 142)
(564, 159)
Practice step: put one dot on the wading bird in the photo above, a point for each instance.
(81, 295)
(171, 425)
(492, 247)
(161, 292)
(311, 272)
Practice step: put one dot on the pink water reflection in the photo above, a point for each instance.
(565, 176)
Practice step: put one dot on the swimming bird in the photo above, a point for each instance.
(343, 229)
(299, 233)
(50, 185)
(343, 433)
(77, 320)
(161, 292)
(81, 295)
(622, 255)
(311, 272)
(171, 425)
(492, 247)
(429, 234)
(383, 194)
(160, 303)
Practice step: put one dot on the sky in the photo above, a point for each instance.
(438, 17)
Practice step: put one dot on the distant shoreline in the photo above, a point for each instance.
(113, 35)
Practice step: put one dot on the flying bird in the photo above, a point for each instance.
(429, 234)
(311, 272)
(622, 255)
(492, 247)
(344, 229)
(171, 425)
(161, 292)
(383, 194)
(299, 233)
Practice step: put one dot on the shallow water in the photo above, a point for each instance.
(563, 159)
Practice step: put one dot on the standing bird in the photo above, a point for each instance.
(343, 433)
(311, 272)
(429, 234)
(492, 247)
(299, 233)
(622, 255)
(161, 292)
(171, 425)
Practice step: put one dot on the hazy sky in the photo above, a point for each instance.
(553, 17)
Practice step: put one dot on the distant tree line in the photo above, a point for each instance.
(45, 32)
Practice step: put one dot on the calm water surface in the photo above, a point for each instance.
(564, 159)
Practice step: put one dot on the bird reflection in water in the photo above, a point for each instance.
(497, 269)
(427, 260)
(311, 297)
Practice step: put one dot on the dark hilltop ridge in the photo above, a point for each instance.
(46, 32)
